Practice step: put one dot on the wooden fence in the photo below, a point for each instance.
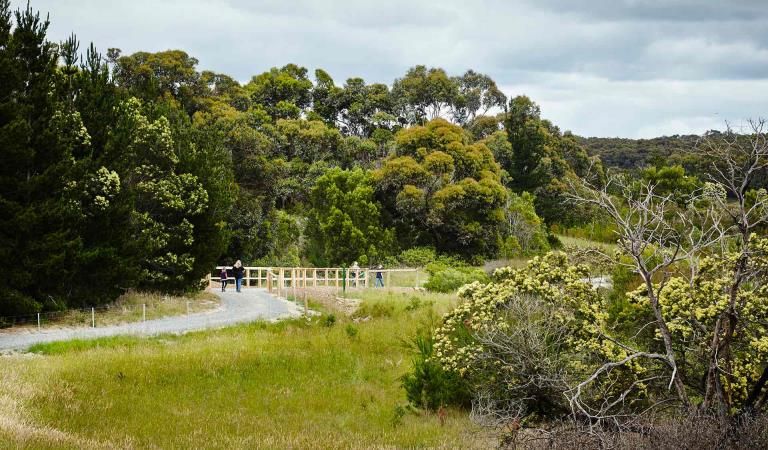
(280, 278)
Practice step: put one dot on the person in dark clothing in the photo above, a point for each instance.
(238, 271)
(379, 277)
(223, 276)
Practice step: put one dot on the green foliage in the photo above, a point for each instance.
(448, 276)
(106, 192)
(39, 137)
(154, 75)
(427, 385)
(344, 222)
(351, 331)
(328, 320)
(526, 234)
(283, 92)
(528, 138)
(416, 303)
(424, 94)
(443, 191)
(417, 256)
(596, 230)
(671, 180)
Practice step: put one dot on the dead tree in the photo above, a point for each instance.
(737, 159)
(657, 234)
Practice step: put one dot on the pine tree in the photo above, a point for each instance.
(36, 138)
(528, 137)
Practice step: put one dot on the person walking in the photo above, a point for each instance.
(379, 276)
(354, 269)
(238, 271)
(223, 277)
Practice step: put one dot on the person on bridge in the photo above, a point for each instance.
(379, 276)
(223, 276)
(238, 271)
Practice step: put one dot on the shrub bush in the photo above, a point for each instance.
(376, 309)
(427, 385)
(416, 303)
(417, 256)
(329, 321)
(449, 279)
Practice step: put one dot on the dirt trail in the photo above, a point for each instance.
(247, 306)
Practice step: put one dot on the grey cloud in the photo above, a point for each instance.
(662, 10)
(569, 56)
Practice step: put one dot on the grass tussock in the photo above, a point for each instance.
(294, 384)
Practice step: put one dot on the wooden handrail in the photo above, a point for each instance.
(293, 277)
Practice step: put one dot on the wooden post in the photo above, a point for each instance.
(388, 278)
(314, 277)
(293, 283)
(306, 305)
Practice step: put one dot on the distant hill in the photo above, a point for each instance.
(634, 153)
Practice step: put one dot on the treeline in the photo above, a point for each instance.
(628, 153)
(140, 171)
(676, 164)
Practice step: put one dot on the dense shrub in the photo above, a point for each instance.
(417, 256)
(449, 279)
(428, 385)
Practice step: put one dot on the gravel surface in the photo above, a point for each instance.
(247, 306)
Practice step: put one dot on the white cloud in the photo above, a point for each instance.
(593, 106)
(599, 67)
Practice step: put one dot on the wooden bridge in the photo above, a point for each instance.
(283, 278)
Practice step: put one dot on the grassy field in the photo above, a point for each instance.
(295, 384)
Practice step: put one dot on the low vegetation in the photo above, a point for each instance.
(316, 383)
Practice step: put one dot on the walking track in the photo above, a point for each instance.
(247, 306)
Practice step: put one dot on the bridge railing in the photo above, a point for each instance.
(280, 278)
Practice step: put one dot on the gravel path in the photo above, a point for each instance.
(247, 306)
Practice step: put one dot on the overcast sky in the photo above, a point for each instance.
(630, 68)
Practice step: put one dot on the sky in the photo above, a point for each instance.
(627, 68)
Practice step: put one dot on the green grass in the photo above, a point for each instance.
(293, 384)
(583, 242)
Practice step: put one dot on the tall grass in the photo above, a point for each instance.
(296, 384)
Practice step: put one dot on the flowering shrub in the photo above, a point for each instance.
(522, 340)
(692, 308)
(482, 308)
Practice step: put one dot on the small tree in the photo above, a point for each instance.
(344, 222)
